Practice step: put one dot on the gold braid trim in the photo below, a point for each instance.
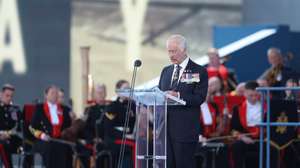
(110, 115)
(272, 74)
(278, 147)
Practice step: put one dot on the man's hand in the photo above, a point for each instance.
(98, 140)
(4, 136)
(173, 93)
(202, 139)
(247, 139)
(45, 137)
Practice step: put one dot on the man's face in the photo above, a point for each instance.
(214, 59)
(262, 82)
(61, 97)
(176, 53)
(214, 85)
(52, 95)
(240, 91)
(7, 96)
(124, 86)
(274, 58)
(291, 84)
(100, 94)
(252, 96)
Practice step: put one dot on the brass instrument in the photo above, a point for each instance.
(272, 74)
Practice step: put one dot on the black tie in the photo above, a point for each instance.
(175, 77)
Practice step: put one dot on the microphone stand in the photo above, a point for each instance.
(137, 64)
(98, 122)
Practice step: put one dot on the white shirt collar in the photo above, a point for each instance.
(51, 104)
(53, 113)
(253, 105)
(184, 63)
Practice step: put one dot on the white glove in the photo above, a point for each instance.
(202, 139)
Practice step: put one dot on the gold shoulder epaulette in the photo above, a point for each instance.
(110, 115)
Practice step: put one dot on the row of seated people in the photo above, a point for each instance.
(222, 83)
(51, 129)
(15, 136)
(46, 124)
(230, 128)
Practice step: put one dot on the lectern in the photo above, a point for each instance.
(150, 128)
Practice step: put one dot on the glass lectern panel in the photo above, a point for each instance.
(150, 128)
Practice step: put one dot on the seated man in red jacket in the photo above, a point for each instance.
(216, 68)
(49, 120)
(244, 126)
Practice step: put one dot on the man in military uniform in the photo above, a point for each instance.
(94, 112)
(114, 125)
(48, 122)
(93, 132)
(9, 117)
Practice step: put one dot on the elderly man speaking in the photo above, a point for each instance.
(188, 81)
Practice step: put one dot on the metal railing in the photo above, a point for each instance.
(266, 96)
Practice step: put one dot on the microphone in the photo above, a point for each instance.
(137, 63)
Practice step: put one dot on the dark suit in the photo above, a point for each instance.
(94, 114)
(118, 109)
(184, 121)
(91, 131)
(9, 121)
(55, 155)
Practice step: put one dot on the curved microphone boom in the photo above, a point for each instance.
(137, 63)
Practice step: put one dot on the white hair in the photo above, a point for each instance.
(179, 39)
(100, 86)
(213, 51)
(274, 50)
